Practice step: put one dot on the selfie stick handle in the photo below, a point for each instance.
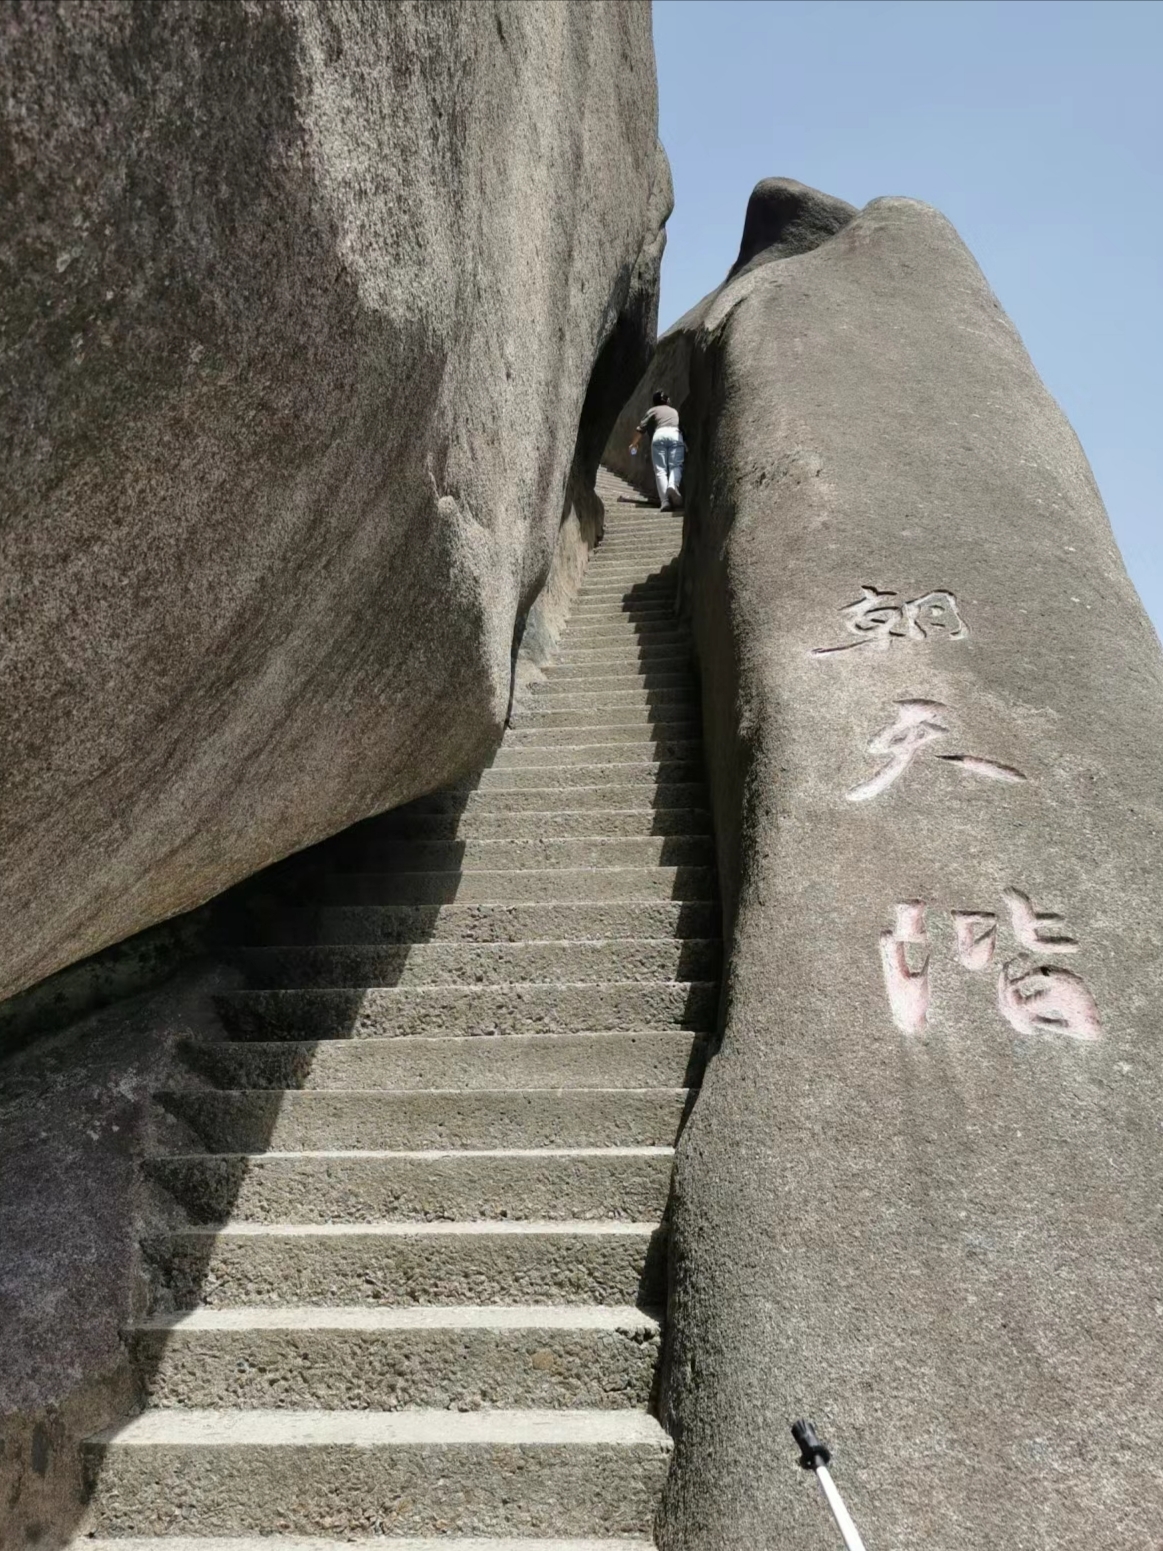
(815, 1455)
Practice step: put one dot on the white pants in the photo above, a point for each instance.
(667, 451)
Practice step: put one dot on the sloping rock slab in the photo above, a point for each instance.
(919, 1198)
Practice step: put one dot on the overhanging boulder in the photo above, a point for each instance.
(302, 303)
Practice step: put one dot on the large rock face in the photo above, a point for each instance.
(783, 218)
(919, 1197)
(301, 306)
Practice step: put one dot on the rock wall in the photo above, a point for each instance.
(918, 1200)
(783, 218)
(309, 309)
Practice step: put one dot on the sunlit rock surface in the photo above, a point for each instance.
(301, 306)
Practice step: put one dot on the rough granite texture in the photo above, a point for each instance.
(783, 218)
(933, 1229)
(309, 310)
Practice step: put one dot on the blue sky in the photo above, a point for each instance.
(1036, 127)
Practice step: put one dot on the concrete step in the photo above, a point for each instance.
(248, 1264)
(479, 963)
(604, 656)
(606, 767)
(561, 822)
(618, 674)
(690, 794)
(414, 1472)
(529, 886)
(648, 716)
(595, 749)
(469, 1358)
(604, 701)
(653, 735)
(334, 924)
(285, 1120)
(511, 1061)
(530, 1008)
(514, 1184)
(363, 1543)
(512, 855)
(609, 693)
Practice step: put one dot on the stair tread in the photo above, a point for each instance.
(348, 1543)
(479, 1316)
(602, 1227)
(363, 1429)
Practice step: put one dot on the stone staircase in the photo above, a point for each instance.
(416, 1283)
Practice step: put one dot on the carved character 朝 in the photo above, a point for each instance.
(876, 620)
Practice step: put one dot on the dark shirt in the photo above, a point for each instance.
(659, 417)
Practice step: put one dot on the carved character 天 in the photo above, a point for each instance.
(918, 723)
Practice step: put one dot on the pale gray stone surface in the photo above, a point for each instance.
(783, 218)
(939, 1238)
(310, 309)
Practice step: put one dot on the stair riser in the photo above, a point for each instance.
(617, 675)
(551, 751)
(595, 770)
(528, 741)
(342, 924)
(232, 1271)
(253, 1121)
(529, 1009)
(581, 1061)
(615, 693)
(553, 886)
(461, 1369)
(692, 794)
(467, 964)
(468, 1490)
(570, 1187)
(605, 822)
(646, 717)
(504, 855)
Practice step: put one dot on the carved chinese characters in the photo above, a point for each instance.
(918, 723)
(1034, 999)
(876, 621)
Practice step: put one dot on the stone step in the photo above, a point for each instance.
(514, 1061)
(320, 925)
(610, 693)
(286, 1120)
(479, 963)
(528, 886)
(653, 735)
(689, 794)
(549, 749)
(665, 630)
(610, 706)
(605, 656)
(650, 717)
(617, 674)
(469, 1358)
(458, 1185)
(634, 584)
(561, 823)
(529, 1008)
(609, 767)
(655, 607)
(365, 855)
(363, 1543)
(572, 1472)
(247, 1264)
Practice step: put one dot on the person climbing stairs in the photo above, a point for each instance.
(413, 1275)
